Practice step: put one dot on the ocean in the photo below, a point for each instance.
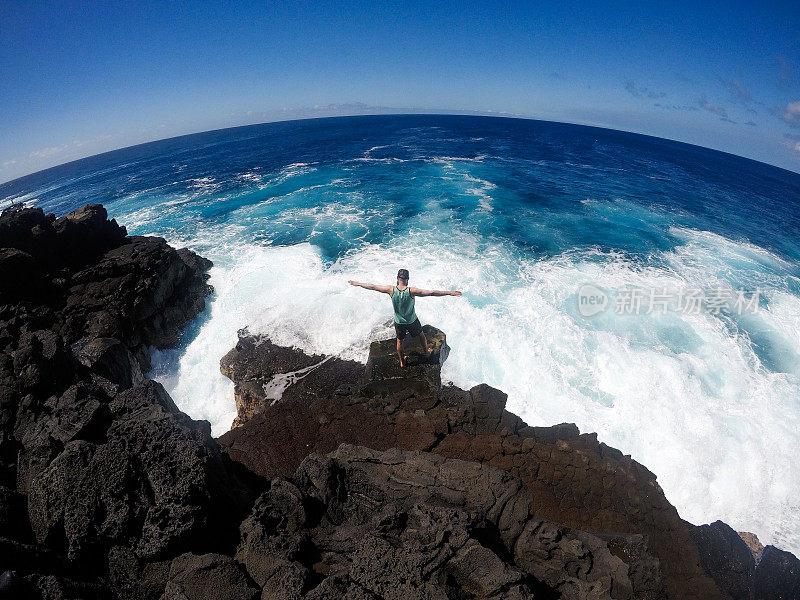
(644, 289)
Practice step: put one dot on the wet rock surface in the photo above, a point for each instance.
(340, 481)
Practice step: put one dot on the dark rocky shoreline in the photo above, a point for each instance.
(361, 482)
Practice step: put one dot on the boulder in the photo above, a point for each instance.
(383, 373)
(86, 233)
(207, 577)
(157, 484)
(396, 525)
(726, 557)
(264, 373)
(141, 293)
(29, 230)
(21, 274)
(777, 575)
(109, 358)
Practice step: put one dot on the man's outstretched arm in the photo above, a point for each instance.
(419, 292)
(371, 286)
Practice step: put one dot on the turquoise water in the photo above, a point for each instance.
(518, 215)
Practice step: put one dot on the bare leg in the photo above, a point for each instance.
(400, 352)
(424, 341)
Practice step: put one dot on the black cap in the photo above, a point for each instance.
(402, 274)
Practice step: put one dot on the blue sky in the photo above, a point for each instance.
(81, 78)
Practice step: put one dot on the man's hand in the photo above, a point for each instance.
(455, 293)
(351, 282)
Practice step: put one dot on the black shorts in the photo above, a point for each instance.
(414, 328)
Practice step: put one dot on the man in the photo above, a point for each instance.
(405, 318)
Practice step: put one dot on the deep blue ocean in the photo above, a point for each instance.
(523, 217)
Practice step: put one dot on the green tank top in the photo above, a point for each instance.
(403, 303)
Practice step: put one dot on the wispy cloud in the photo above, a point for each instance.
(675, 106)
(790, 113)
(45, 152)
(639, 92)
(703, 103)
(737, 89)
(792, 141)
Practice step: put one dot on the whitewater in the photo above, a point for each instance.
(518, 216)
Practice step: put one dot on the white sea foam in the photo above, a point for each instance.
(274, 388)
(26, 200)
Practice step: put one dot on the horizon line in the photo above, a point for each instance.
(385, 112)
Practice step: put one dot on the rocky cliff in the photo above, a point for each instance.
(339, 481)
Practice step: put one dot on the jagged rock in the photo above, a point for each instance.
(43, 427)
(255, 361)
(400, 525)
(726, 557)
(157, 484)
(86, 233)
(141, 293)
(207, 577)
(752, 541)
(271, 542)
(777, 576)
(72, 240)
(41, 363)
(96, 470)
(109, 358)
(29, 230)
(197, 263)
(134, 579)
(20, 273)
(383, 374)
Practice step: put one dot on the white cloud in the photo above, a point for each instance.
(712, 108)
(791, 114)
(45, 152)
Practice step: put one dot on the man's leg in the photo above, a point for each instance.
(400, 352)
(424, 341)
